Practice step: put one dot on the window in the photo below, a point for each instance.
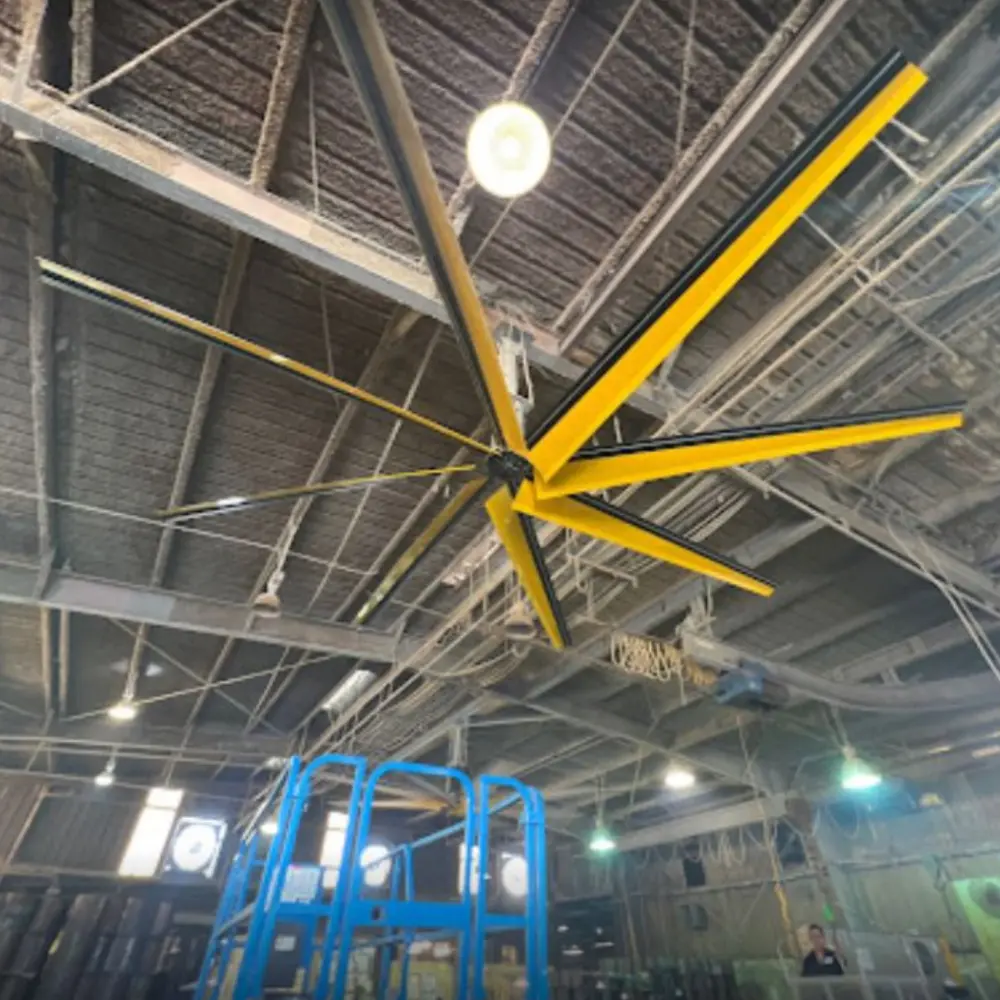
(151, 832)
(331, 853)
(374, 861)
(788, 844)
(474, 869)
(695, 916)
(694, 873)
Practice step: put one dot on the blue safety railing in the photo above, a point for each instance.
(532, 921)
(354, 916)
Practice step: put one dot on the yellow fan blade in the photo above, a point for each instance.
(620, 374)
(227, 505)
(611, 524)
(404, 565)
(517, 536)
(373, 69)
(84, 286)
(663, 460)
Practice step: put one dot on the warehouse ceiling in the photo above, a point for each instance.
(214, 158)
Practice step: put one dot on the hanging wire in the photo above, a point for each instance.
(932, 569)
(776, 871)
(649, 656)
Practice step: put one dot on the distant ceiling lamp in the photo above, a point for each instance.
(267, 603)
(508, 149)
(107, 777)
(679, 779)
(520, 624)
(123, 711)
(856, 775)
(269, 827)
(348, 690)
(601, 840)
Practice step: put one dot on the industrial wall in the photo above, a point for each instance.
(892, 873)
(48, 828)
(874, 873)
(59, 827)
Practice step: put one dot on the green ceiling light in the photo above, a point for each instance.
(601, 840)
(856, 775)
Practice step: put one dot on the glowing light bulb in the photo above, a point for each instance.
(601, 841)
(123, 711)
(856, 775)
(679, 779)
(508, 149)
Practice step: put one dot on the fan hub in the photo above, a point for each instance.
(509, 468)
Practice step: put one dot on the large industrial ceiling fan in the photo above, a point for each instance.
(551, 476)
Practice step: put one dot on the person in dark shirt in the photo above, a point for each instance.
(821, 961)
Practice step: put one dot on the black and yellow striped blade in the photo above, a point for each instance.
(373, 69)
(517, 534)
(595, 469)
(607, 523)
(630, 360)
(463, 501)
(231, 504)
(84, 286)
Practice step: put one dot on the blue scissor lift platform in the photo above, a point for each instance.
(255, 901)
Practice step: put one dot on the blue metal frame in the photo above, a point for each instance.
(533, 921)
(354, 916)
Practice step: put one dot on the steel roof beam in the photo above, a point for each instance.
(615, 727)
(295, 35)
(181, 178)
(702, 823)
(99, 735)
(150, 606)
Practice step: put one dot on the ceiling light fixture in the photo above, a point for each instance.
(856, 775)
(520, 626)
(348, 690)
(269, 827)
(679, 779)
(267, 603)
(107, 777)
(991, 750)
(601, 840)
(123, 711)
(509, 149)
